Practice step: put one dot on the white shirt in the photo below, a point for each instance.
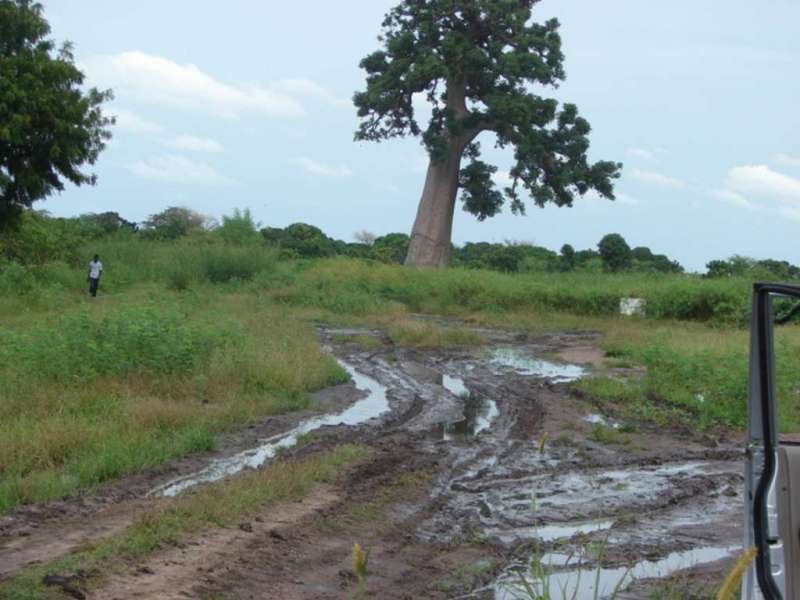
(95, 268)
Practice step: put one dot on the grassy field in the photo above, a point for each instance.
(188, 341)
(96, 390)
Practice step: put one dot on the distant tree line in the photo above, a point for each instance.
(742, 266)
(42, 238)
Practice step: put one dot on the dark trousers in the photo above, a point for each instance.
(93, 286)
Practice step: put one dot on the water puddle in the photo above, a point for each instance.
(508, 500)
(478, 412)
(454, 385)
(550, 533)
(588, 583)
(373, 405)
(525, 364)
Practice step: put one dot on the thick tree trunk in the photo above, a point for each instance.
(433, 227)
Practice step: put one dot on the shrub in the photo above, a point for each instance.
(239, 228)
(221, 264)
(154, 339)
(16, 279)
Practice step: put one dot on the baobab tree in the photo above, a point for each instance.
(480, 64)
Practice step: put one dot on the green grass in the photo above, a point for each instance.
(362, 340)
(219, 505)
(424, 334)
(108, 389)
(603, 434)
(346, 286)
(189, 340)
(697, 376)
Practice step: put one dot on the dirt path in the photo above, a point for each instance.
(483, 459)
(43, 532)
(177, 571)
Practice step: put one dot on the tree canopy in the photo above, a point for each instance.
(49, 126)
(174, 222)
(480, 63)
(615, 252)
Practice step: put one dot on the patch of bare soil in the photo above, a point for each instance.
(201, 560)
(483, 460)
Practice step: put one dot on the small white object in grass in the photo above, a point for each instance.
(632, 307)
(700, 398)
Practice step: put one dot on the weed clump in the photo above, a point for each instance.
(78, 348)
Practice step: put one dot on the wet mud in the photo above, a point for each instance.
(484, 463)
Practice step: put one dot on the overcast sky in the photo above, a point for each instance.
(246, 103)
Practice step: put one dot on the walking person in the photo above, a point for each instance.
(95, 270)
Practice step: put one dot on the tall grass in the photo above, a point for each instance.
(154, 338)
(359, 287)
(193, 339)
(697, 374)
(419, 334)
(109, 389)
(128, 261)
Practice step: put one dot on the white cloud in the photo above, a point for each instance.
(162, 81)
(754, 186)
(653, 178)
(195, 144)
(306, 87)
(172, 168)
(787, 161)
(133, 123)
(763, 181)
(734, 198)
(320, 169)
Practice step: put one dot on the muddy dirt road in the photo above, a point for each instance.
(483, 460)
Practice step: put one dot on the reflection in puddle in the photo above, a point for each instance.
(455, 385)
(478, 416)
(367, 408)
(478, 412)
(525, 364)
(499, 497)
(549, 533)
(589, 583)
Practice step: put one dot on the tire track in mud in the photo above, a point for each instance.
(663, 502)
(495, 494)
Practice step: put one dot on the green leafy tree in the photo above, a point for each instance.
(567, 258)
(642, 253)
(173, 223)
(239, 228)
(300, 240)
(780, 269)
(742, 266)
(390, 248)
(479, 64)
(49, 126)
(717, 269)
(39, 238)
(663, 264)
(615, 252)
(95, 225)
